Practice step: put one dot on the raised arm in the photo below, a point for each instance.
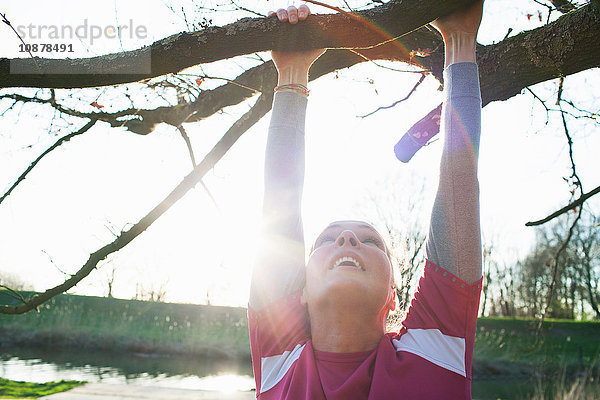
(454, 240)
(279, 266)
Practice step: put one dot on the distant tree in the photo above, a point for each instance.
(10, 280)
(567, 286)
(154, 292)
(398, 219)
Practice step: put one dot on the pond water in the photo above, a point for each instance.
(42, 365)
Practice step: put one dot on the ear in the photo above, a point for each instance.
(391, 304)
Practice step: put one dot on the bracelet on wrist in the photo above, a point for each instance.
(294, 87)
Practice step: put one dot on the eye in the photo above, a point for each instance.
(373, 241)
(325, 239)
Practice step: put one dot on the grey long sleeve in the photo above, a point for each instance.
(279, 268)
(454, 240)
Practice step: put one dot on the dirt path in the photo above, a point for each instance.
(101, 391)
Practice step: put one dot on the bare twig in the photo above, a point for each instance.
(246, 9)
(54, 264)
(398, 101)
(566, 208)
(341, 11)
(561, 81)
(14, 294)
(60, 141)
(543, 103)
(578, 185)
(260, 108)
(188, 143)
(7, 22)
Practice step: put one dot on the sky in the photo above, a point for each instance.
(98, 184)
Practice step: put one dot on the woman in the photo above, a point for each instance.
(317, 331)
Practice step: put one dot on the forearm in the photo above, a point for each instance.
(280, 261)
(284, 159)
(454, 240)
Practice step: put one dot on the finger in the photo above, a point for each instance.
(282, 15)
(303, 12)
(271, 13)
(292, 14)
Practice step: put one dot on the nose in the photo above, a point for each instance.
(347, 238)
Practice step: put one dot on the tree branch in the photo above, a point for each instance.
(582, 199)
(248, 35)
(260, 108)
(565, 46)
(60, 141)
(563, 5)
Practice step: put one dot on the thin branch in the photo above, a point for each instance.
(543, 103)
(574, 175)
(60, 141)
(341, 11)
(54, 264)
(566, 208)
(260, 108)
(561, 81)
(28, 49)
(246, 9)
(423, 75)
(14, 294)
(188, 143)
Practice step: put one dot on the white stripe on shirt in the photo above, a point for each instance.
(431, 344)
(274, 368)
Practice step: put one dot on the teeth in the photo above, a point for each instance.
(348, 259)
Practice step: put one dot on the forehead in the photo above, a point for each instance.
(350, 225)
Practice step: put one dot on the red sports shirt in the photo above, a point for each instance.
(429, 358)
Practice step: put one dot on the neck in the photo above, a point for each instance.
(340, 331)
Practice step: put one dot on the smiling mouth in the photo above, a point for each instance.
(347, 262)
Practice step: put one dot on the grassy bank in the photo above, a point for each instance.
(130, 325)
(503, 346)
(562, 343)
(27, 390)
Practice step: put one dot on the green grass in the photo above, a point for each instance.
(562, 343)
(27, 390)
(140, 326)
(96, 322)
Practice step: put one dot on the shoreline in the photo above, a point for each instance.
(483, 369)
(504, 347)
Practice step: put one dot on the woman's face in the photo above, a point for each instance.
(349, 261)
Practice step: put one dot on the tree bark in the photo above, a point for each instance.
(564, 47)
(249, 35)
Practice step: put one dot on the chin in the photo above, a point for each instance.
(350, 292)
